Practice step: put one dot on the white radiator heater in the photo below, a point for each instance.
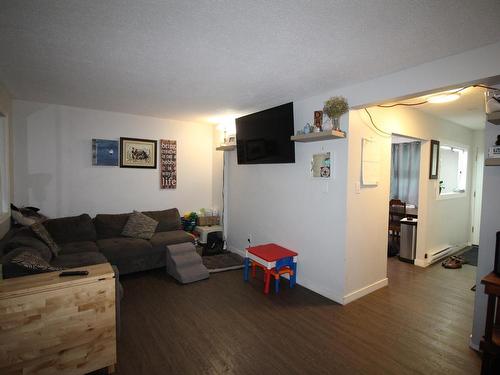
(437, 255)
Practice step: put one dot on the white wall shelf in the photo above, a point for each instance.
(494, 118)
(320, 136)
(492, 162)
(227, 147)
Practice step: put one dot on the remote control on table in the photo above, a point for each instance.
(74, 273)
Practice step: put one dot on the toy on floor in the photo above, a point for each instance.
(274, 260)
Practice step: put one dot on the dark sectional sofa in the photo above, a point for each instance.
(85, 241)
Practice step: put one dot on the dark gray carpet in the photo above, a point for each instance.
(223, 262)
(470, 255)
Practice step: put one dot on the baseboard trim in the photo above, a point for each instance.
(348, 298)
(325, 292)
(421, 262)
(237, 251)
(425, 262)
(473, 346)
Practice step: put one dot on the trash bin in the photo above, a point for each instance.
(408, 240)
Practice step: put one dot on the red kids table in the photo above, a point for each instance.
(269, 257)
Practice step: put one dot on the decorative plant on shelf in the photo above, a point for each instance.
(335, 107)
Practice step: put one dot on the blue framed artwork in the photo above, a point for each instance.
(104, 152)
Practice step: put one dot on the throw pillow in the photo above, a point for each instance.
(45, 236)
(31, 242)
(139, 226)
(33, 262)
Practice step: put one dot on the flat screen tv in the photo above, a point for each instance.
(264, 137)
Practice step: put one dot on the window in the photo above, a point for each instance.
(4, 166)
(452, 170)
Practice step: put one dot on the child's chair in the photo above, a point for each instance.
(283, 266)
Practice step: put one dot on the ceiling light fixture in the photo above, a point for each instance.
(443, 98)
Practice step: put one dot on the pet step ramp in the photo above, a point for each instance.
(184, 264)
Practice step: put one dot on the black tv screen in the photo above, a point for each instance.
(264, 137)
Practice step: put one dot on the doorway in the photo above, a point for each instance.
(404, 196)
(447, 205)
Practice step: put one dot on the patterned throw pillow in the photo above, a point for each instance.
(45, 236)
(139, 226)
(33, 262)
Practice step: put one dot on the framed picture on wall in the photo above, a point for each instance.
(105, 152)
(434, 167)
(321, 165)
(137, 153)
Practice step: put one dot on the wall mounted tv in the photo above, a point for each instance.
(264, 137)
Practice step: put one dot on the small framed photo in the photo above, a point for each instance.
(321, 165)
(137, 153)
(318, 119)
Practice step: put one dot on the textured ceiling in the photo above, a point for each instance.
(193, 59)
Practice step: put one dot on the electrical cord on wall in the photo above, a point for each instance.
(402, 104)
(375, 126)
(426, 101)
(416, 104)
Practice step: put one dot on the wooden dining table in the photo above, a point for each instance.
(399, 211)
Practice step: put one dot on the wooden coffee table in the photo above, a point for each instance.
(63, 325)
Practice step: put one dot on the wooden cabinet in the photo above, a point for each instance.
(64, 325)
(490, 344)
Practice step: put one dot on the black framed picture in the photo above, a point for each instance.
(137, 153)
(434, 164)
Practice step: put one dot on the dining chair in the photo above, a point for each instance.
(397, 211)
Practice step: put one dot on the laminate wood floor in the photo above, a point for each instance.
(419, 324)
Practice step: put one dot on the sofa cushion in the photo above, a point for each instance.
(78, 247)
(162, 239)
(71, 229)
(123, 247)
(78, 260)
(23, 240)
(45, 236)
(139, 226)
(167, 219)
(110, 225)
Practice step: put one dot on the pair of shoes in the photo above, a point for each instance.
(452, 263)
(459, 258)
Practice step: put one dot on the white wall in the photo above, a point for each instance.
(53, 162)
(477, 184)
(281, 203)
(490, 224)
(441, 222)
(5, 110)
(217, 161)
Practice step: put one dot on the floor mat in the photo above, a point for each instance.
(470, 255)
(223, 262)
